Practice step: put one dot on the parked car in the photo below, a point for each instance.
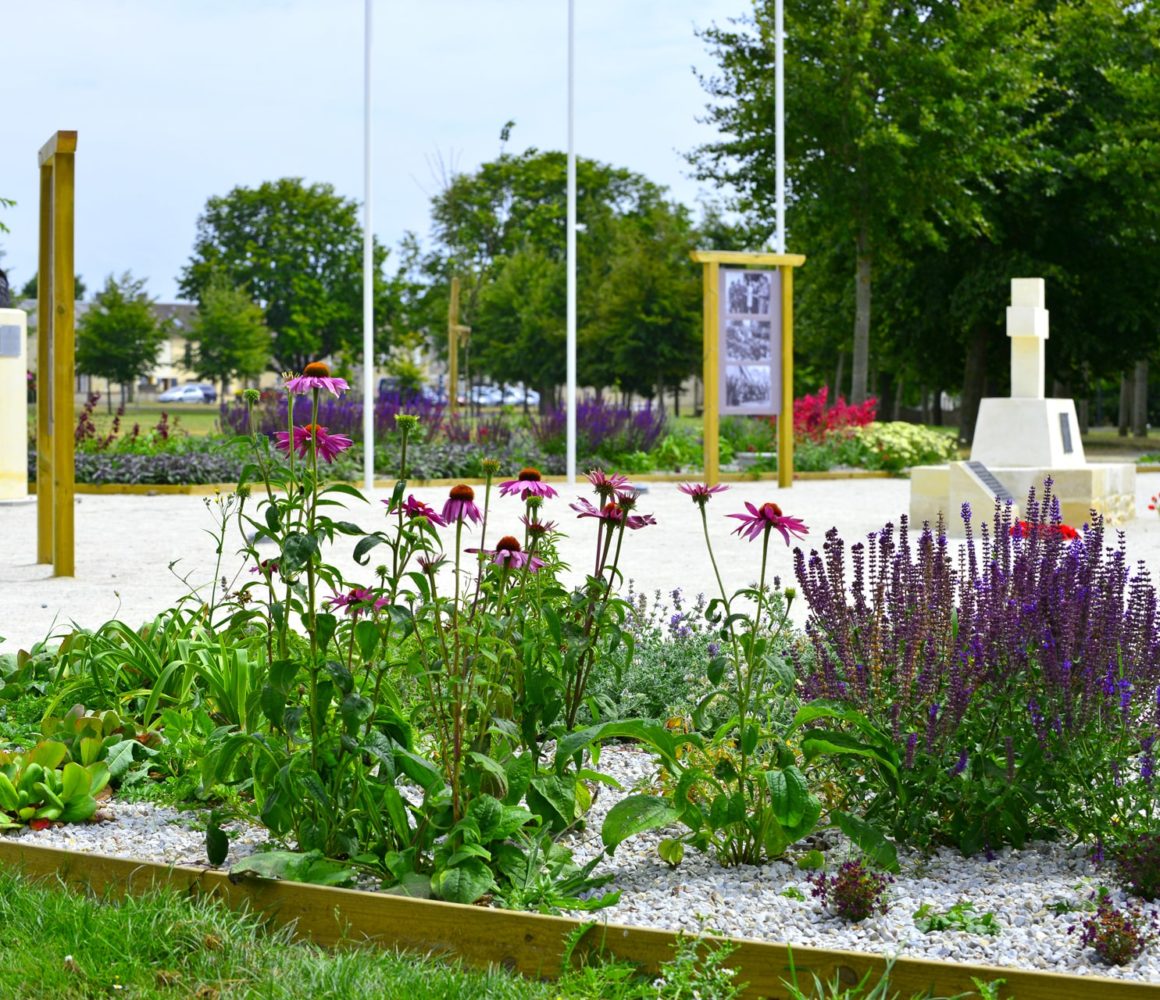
(190, 393)
(515, 396)
(207, 390)
(483, 395)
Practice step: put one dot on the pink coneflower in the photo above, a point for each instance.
(357, 601)
(413, 509)
(330, 446)
(431, 564)
(507, 552)
(612, 513)
(461, 504)
(315, 376)
(526, 484)
(609, 487)
(766, 517)
(537, 527)
(701, 492)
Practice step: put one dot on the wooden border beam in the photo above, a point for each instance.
(531, 943)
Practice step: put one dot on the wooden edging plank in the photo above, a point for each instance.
(531, 943)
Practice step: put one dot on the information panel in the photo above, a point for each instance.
(749, 332)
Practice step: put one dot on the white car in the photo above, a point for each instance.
(515, 396)
(183, 394)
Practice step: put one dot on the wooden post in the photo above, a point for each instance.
(711, 261)
(712, 374)
(55, 317)
(785, 418)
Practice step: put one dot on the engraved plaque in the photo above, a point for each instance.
(988, 478)
(1065, 433)
(10, 341)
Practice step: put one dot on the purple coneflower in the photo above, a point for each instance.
(316, 376)
(329, 446)
(413, 509)
(701, 492)
(507, 552)
(537, 527)
(766, 517)
(526, 484)
(461, 504)
(607, 487)
(612, 513)
(356, 601)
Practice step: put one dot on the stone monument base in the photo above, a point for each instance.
(1105, 487)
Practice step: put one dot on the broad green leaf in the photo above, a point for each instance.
(463, 884)
(869, 839)
(633, 815)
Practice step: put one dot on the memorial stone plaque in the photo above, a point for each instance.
(988, 479)
(1065, 433)
(10, 335)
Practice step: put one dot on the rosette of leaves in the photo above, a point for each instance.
(41, 784)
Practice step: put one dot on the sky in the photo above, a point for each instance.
(175, 101)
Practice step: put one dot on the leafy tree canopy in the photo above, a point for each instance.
(230, 333)
(297, 249)
(119, 335)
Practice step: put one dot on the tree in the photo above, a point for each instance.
(31, 288)
(231, 335)
(502, 230)
(297, 249)
(119, 336)
(896, 114)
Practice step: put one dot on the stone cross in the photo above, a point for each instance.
(1027, 328)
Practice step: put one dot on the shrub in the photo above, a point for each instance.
(898, 445)
(1021, 690)
(1137, 864)
(603, 429)
(854, 892)
(1117, 936)
(814, 418)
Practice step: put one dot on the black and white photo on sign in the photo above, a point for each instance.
(748, 339)
(748, 385)
(748, 292)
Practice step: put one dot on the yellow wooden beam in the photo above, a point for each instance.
(711, 375)
(785, 418)
(743, 258)
(44, 377)
(532, 943)
(64, 141)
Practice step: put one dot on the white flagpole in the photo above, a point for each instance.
(779, 116)
(368, 271)
(570, 398)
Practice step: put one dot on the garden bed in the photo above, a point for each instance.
(1034, 896)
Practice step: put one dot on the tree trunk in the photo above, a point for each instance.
(974, 377)
(1140, 400)
(838, 376)
(861, 362)
(936, 410)
(924, 412)
(1125, 405)
(1082, 414)
(677, 400)
(898, 395)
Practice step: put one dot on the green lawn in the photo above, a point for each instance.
(194, 418)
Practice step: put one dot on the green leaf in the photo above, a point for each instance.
(671, 851)
(633, 815)
(366, 636)
(355, 710)
(364, 546)
(464, 883)
(869, 839)
(554, 799)
(826, 741)
(298, 551)
(217, 842)
(789, 795)
(310, 867)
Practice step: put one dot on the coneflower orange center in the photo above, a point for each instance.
(318, 369)
(529, 475)
(462, 492)
(507, 544)
(771, 510)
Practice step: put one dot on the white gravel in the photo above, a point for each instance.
(1023, 889)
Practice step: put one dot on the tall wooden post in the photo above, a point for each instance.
(711, 275)
(785, 418)
(55, 346)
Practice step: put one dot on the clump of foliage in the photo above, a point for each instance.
(1117, 935)
(1136, 863)
(991, 702)
(41, 786)
(854, 892)
(603, 429)
(959, 917)
(815, 417)
(897, 445)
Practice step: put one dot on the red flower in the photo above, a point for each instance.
(768, 517)
(1024, 529)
